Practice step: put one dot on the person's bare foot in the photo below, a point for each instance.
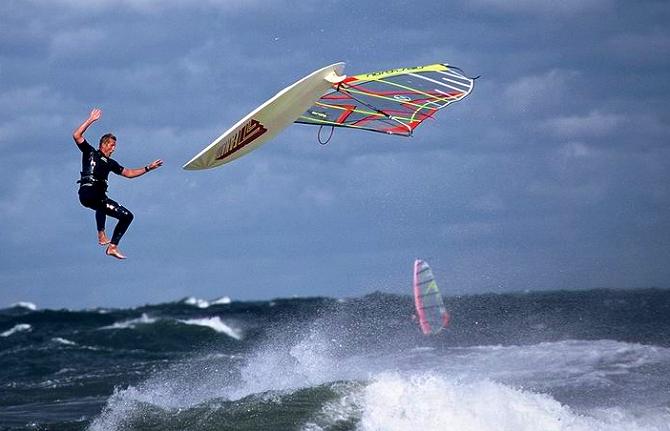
(113, 250)
(102, 238)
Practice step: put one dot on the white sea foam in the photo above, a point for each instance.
(467, 388)
(346, 406)
(216, 324)
(552, 364)
(277, 368)
(24, 304)
(394, 401)
(430, 402)
(144, 319)
(63, 341)
(196, 302)
(222, 300)
(21, 327)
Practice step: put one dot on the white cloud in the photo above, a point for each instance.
(569, 193)
(575, 150)
(148, 6)
(317, 196)
(489, 203)
(595, 124)
(467, 231)
(20, 200)
(545, 7)
(532, 93)
(649, 47)
(77, 42)
(29, 112)
(28, 99)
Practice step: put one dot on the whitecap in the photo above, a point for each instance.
(216, 324)
(21, 327)
(428, 401)
(27, 305)
(63, 341)
(222, 300)
(132, 323)
(200, 303)
(567, 363)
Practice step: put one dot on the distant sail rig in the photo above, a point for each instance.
(433, 316)
(394, 102)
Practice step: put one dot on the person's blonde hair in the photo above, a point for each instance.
(107, 137)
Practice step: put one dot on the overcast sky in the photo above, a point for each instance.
(553, 174)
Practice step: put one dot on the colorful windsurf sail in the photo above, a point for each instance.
(395, 101)
(433, 316)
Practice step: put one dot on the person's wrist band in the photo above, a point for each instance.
(146, 169)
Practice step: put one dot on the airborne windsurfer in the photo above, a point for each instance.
(96, 166)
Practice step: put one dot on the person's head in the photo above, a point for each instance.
(107, 144)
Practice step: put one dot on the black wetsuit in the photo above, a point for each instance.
(95, 169)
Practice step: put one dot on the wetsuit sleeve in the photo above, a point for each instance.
(85, 147)
(115, 167)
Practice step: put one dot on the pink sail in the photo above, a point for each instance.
(433, 316)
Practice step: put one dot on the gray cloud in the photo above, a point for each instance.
(552, 174)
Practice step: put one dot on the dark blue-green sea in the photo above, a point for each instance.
(564, 360)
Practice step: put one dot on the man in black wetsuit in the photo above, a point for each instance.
(95, 168)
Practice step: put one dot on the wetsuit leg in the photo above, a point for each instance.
(125, 217)
(93, 198)
(104, 206)
(100, 218)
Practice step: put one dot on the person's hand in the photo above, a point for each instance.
(95, 114)
(155, 164)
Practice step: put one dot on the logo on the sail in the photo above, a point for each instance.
(248, 133)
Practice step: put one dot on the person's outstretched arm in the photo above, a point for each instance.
(132, 173)
(78, 134)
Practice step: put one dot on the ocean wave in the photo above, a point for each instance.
(24, 304)
(216, 324)
(327, 365)
(196, 302)
(21, 327)
(203, 303)
(63, 341)
(224, 300)
(144, 319)
(388, 401)
(428, 401)
(223, 382)
(70, 343)
(268, 411)
(556, 364)
(309, 378)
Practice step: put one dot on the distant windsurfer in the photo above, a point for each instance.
(95, 168)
